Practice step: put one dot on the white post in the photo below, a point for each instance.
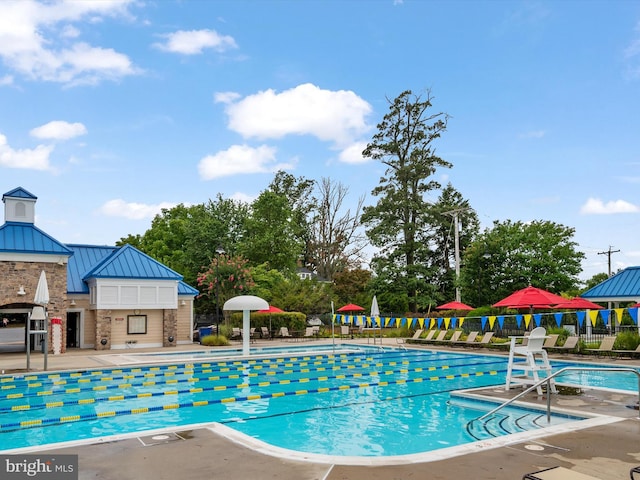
(246, 334)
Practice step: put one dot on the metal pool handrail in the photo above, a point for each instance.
(547, 380)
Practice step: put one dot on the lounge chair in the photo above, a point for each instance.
(631, 353)
(486, 338)
(440, 336)
(454, 338)
(471, 339)
(264, 331)
(309, 333)
(430, 334)
(558, 473)
(634, 470)
(570, 344)
(416, 336)
(344, 331)
(606, 346)
(236, 333)
(284, 333)
(550, 341)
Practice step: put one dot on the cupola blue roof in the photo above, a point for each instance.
(623, 286)
(19, 193)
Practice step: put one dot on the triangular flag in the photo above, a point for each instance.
(461, 322)
(527, 320)
(492, 321)
(483, 322)
(500, 321)
(447, 322)
(421, 322)
(619, 313)
(604, 314)
(537, 317)
(397, 322)
(518, 320)
(432, 323)
(581, 314)
(454, 320)
(593, 316)
(558, 318)
(633, 313)
(439, 322)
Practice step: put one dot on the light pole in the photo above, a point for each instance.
(219, 251)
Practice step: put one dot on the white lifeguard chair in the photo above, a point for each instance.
(529, 368)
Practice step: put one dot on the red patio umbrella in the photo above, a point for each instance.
(271, 309)
(530, 297)
(454, 306)
(578, 303)
(350, 307)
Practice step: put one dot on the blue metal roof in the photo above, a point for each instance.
(19, 193)
(90, 261)
(21, 237)
(129, 262)
(624, 285)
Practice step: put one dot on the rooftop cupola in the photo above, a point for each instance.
(19, 206)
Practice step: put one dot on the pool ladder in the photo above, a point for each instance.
(548, 379)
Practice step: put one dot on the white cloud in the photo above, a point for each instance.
(240, 159)
(132, 210)
(595, 206)
(335, 116)
(59, 130)
(193, 42)
(31, 159)
(353, 153)
(226, 97)
(32, 43)
(6, 80)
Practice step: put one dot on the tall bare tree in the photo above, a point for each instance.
(337, 240)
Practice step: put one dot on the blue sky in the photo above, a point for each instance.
(111, 110)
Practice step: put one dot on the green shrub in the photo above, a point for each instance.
(215, 340)
(626, 341)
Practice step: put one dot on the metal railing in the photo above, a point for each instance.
(548, 379)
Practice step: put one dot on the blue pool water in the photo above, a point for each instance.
(353, 403)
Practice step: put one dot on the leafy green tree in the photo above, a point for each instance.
(513, 255)
(271, 233)
(397, 223)
(597, 279)
(352, 286)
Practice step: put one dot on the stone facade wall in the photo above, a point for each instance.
(170, 328)
(103, 330)
(17, 274)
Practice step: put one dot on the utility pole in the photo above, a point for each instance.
(608, 254)
(455, 213)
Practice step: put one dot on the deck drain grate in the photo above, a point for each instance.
(159, 439)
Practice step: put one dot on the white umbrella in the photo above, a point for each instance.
(375, 312)
(42, 290)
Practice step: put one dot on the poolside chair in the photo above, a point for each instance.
(631, 353)
(558, 473)
(606, 346)
(416, 336)
(486, 338)
(430, 334)
(236, 333)
(634, 470)
(309, 333)
(454, 338)
(344, 331)
(284, 333)
(440, 336)
(550, 341)
(471, 339)
(264, 331)
(570, 344)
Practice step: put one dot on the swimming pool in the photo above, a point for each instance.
(367, 402)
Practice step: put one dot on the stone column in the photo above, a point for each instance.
(103, 330)
(169, 328)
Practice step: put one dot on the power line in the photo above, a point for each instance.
(608, 254)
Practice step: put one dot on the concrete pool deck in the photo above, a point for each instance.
(606, 451)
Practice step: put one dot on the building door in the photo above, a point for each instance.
(73, 329)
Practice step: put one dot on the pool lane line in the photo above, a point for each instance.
(220, 388)
(135, 411)
(144, 373)
(150, 383)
